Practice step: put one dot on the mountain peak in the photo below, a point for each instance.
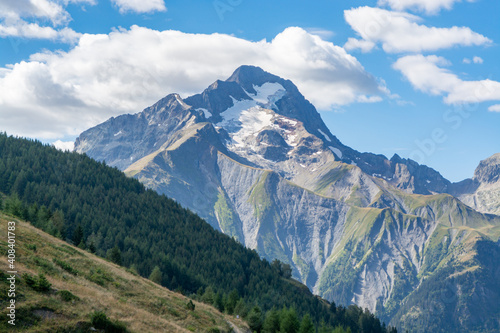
(248, 76)
(493, 159)
(248, 72)
(488, 170)
(396, 158)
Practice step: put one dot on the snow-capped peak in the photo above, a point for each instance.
(249, 116)
(268, 94)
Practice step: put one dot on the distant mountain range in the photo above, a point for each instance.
(253, 157)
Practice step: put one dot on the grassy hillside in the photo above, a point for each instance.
(82, 283)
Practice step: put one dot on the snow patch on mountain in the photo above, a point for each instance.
(326, 136)
(336, 151)
(243, 119)
(206, 113)
(230, 117)
(248, 117)
(291, 140)
(252, 121)
(268, 94)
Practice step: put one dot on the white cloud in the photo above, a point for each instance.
(88, 2)
(428, 6)
(400, 32)
(64, 93)
(494, 108)
(45, 9)
(428, 75)
(64, 145)
(477, 60)
(322, 33)
(27, 30)
(140, 6)
(368, 99)
(29, 19)
(361, 44)
(32, 30)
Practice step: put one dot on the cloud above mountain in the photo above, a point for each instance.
(49, 19)
(140, 6)
(403, 33)
(43, 9)
(400, 32)
(427, 6)
(38, 19)
(428, 74)
(63, 93)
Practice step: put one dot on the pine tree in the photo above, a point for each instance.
(43, 283)
(190, 305)
(286, 271)
(307, 326)
(333, 307)
(272, 322)
(156, 275)
(115, 255)
(208, 296)
(13, 205)
(218, 303)
(289, 321)
(59, 225)
(78, 235)
(254, 319)
(241, 308)
(20, 184)
(323, 328)
(231, 301)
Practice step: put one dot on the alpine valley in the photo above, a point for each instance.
(252, 157)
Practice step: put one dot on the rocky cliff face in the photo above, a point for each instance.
(482, 192)
(252, 156)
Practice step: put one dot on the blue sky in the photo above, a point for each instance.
(420, 78)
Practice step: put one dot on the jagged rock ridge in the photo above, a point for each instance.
(482, 192)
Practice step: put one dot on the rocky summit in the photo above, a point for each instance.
(482, 192)
(254, 158)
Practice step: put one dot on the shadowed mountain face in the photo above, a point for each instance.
(253, 157)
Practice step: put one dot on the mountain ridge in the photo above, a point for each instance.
(297, 194)
(403, 173)
(482, 191)
(85, 202)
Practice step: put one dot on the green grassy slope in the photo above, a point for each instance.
(82, 283)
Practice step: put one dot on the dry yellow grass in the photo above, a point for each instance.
(100, 286)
